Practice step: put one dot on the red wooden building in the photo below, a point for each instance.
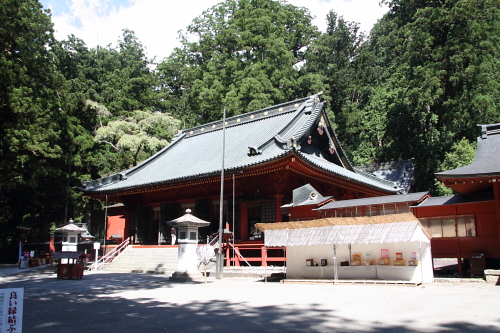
(469, 222)
(268, 154)
(461, 226)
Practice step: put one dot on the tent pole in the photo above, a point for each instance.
(335, 269)
(421, 263)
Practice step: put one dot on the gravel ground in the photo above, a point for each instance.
(106, 302)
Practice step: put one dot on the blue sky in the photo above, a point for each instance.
(156, 22)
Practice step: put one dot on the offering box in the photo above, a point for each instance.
(355, 263)
(413, 263)
(383, 261)
(368, 262)
(399, 262)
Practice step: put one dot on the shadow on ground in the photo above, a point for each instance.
(91, 305)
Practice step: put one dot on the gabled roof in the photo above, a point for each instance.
(399, 172)
(252, 139)
(306, 195)
(487, 160)
(387, 199)
(485, 167)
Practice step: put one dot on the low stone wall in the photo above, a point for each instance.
(492, 276)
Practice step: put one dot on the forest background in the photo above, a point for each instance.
(415, 87)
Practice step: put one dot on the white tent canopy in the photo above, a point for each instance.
(356, 230)
(318, 240)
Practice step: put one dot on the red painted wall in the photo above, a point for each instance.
(116, 226)
(486, 239)
(303, 213)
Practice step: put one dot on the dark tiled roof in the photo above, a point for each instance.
(399, 172)
(487, 160)
(457, 199)
(251, 139)
(388, 199)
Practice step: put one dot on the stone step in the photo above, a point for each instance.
(141, 270)
(145, 260)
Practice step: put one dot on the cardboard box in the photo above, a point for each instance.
(355, 263)
(413, 263)
(384, 261)
(399, 262)
(368, 262)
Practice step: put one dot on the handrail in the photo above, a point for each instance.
(213, 241)
(108, 257)
(239, 254)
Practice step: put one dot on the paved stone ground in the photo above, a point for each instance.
(106, 302)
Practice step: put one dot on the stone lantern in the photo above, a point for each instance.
(70, 234)
(187, 235)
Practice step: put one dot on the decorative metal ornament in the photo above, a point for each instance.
(320, 130)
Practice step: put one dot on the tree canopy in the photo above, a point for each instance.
(242, 55)
(415, 87)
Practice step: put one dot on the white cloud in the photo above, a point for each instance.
(156, 22)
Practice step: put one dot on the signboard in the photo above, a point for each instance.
(11, 310)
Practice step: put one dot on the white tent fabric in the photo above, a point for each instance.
(409, 231)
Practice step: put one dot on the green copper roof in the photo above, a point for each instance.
(251, 139)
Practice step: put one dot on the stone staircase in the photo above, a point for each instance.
(161, 260)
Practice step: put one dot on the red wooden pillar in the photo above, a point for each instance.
(263, 255)
(228, 256)
(244, 221)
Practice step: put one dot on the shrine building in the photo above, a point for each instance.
(268, 154)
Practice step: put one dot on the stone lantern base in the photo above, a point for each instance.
(186, 277)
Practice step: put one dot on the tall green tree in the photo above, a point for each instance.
(135, 138)
(445, 69)
(31, 159)
(103, 85)
(462, 153)
(428, 73)
(345, 66)
(241, 55)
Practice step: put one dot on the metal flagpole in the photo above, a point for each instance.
(234, 176)
(220, 255)
(105, 225)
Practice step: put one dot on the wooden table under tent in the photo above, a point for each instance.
(378, 248)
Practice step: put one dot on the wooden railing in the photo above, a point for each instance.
(246, 253)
